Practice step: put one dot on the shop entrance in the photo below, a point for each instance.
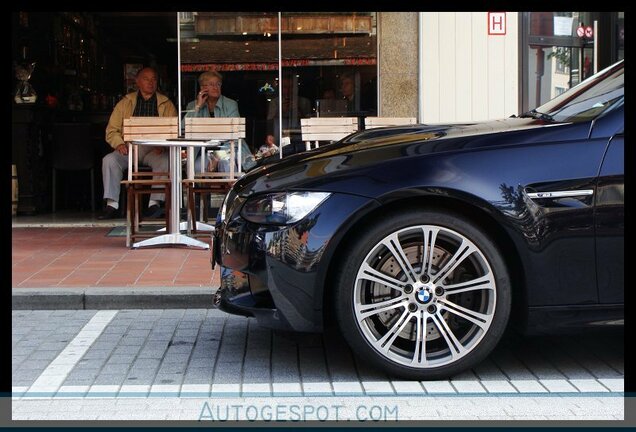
(564, 48)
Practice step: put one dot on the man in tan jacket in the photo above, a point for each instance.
(146, 102)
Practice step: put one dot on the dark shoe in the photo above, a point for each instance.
(154, 212)
(109, 213)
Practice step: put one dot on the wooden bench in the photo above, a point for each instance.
(317, 129)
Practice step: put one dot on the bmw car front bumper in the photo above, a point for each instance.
(276, 273)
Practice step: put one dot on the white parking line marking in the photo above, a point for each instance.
(128, 390)
(51, 379)
(18, 391)
(583, 387)
(613, 384)
(588, 385)
(72, 392)
(528, 386)
(498, 386)
(217, 389)
(408, 387)
(195, 390)
(287, 388)
(558, 385)
(465, 386)
(435, 387)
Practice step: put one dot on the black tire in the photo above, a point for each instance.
(474, 313)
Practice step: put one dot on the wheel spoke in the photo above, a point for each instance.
(392, 243)
(482, 283)
(430, 237)
(455, 347)
(369, 273)
(480, 320)
(460, 255)
(419, 353)
(385, 343)
(364, 311)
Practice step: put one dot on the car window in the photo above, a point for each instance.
(599, 93)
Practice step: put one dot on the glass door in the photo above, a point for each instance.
(562, 49)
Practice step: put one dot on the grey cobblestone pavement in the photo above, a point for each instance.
(203, 364)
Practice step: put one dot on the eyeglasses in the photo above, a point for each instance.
(215, 84)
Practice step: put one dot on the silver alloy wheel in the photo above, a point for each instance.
(424, 296)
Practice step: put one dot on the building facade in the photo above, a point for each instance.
(433, 66)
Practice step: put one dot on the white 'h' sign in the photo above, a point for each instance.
(496, 23)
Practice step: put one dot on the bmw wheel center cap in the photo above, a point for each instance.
(423, 295)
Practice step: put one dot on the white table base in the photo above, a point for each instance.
(173, 235)
(172, 239)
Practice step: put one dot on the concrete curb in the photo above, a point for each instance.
(112, 298)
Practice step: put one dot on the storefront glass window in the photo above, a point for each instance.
(560, 50)
(328, 66)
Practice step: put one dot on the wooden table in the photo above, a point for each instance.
(173, 236)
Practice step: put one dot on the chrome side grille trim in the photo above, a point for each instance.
(560, 194)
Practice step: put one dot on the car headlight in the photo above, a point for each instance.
(282, 208)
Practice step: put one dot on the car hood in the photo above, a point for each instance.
(374, 146)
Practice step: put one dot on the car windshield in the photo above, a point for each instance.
(597, 94)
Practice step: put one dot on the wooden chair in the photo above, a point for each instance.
(205, 183)
(376, 122)
(140, 183)
(316, 129)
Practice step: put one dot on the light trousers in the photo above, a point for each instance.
(114, 164)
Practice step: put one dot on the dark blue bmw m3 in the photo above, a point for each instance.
(423, 243)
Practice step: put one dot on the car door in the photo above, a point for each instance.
(569, 210)
(609, 215)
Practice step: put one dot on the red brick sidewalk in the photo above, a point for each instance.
(85, 257)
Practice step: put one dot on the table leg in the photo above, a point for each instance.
(174, 237)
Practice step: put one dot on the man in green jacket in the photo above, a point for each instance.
(146, 102)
